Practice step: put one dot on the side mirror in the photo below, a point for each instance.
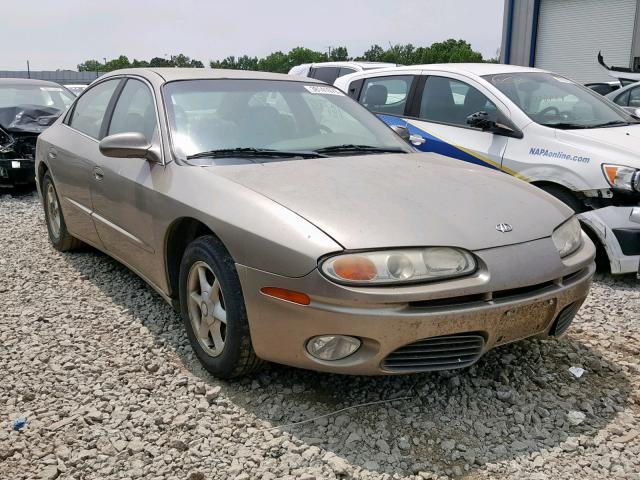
(402, 131)
(482, 121)
(128, 145)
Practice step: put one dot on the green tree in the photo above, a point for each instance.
(229, 62)
(159, 62)
(374, 54)
(139, 63)
(91, 66)
(440, 52)
(339, 54)
(300, 55)
(183, 61)
(121, 62)
(276, 62)
(450, 51)
(401, 54)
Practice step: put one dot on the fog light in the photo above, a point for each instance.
(332, 347)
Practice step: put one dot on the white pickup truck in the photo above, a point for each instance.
(538, 126)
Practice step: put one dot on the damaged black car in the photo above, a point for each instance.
(27, 108)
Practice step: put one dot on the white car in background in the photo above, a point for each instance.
(329, 71)
(76, 89)
(628, 97)
(538, 126)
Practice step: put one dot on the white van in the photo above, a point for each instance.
(329, 71)
(535, 125)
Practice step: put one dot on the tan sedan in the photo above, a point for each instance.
(289, 224)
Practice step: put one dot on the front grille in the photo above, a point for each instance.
(564, 319)
(437, 353)
(25, 146)
(448, 302)
(470, 300)
(512, 292)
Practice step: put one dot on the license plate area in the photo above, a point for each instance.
(524, 321)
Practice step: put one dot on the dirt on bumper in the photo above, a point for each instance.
(280, 330)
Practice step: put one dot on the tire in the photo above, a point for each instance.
(59, 236)
(213, 310)
(566, 197)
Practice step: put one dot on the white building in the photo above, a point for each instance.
(565, 36)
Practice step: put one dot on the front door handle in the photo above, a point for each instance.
(417, 140)
(98, 174)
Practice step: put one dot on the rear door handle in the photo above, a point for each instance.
(98, 174)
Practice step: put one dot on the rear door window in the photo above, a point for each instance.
(88, 112)
(345, 71)
(386, 94)
(447, 100)
(326, 74)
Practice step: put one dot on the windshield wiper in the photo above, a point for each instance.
(359, 148)
(565, 125)
(613, 123)
(255, 152)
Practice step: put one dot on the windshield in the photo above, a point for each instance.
(210, 115)
(13, 95)
(555, 101)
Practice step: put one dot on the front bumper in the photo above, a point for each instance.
(618, 229)
(496, 307)
(18, 171)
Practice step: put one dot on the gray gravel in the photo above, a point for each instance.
(101, 368)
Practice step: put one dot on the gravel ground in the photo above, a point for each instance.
(101, 368)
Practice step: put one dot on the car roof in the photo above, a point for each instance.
(478, 69)
(172, 74)
(363, 64)
(28, 81)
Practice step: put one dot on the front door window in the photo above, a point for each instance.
(450, 101)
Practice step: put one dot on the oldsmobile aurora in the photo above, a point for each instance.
(289, 224)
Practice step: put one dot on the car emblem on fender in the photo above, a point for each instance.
(504, 227)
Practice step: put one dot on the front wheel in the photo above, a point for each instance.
(566, 197)
(213, 310)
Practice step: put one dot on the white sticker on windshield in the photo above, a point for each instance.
(51, 89)
(323, 90)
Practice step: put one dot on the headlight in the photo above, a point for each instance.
(621, 177)
(568, 237)
(399, 266)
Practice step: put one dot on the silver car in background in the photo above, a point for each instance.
(289, 224)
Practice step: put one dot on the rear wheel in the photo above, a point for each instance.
(60, 237)
(213, 310)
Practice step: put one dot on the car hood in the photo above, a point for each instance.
(400, 200)
(612, 145)
(28, 118)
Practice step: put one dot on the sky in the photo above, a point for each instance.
(64, 33)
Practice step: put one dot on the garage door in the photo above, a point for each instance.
(572, 32)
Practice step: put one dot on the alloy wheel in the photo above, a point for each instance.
(53, 209)
(206, 308)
